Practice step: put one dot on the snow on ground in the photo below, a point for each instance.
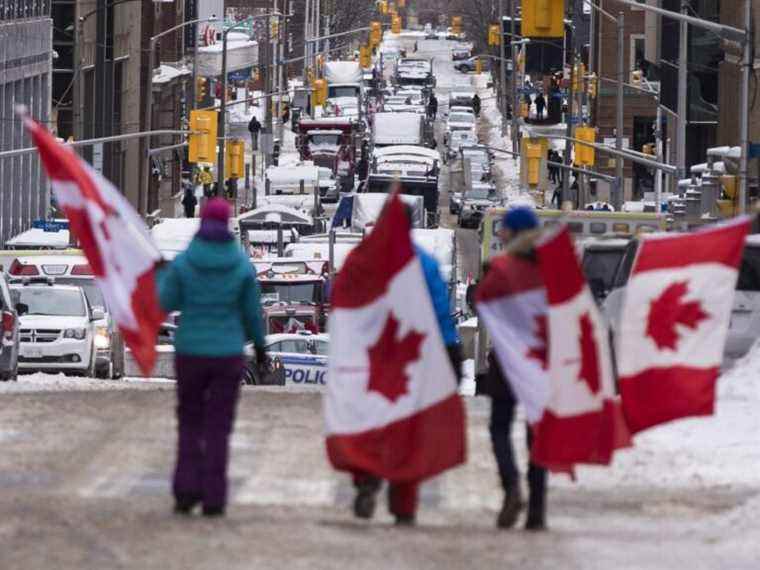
(42, 382)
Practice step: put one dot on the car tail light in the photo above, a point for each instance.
(81, 270)
(9, 321)
(18, 268)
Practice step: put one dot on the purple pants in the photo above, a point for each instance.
(207, 394)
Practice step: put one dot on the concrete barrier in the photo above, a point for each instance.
(164, 364)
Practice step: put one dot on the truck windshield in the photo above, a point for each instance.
(749, 273)
(290, 292)
(52, 302)
(323, 141)
(344, 91)
(462, 118)
(91, 290)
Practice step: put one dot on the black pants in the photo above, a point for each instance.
(502, 418)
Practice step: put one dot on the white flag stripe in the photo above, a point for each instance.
(710, 284)
(354, 331)
(571, 395)
(512, 338)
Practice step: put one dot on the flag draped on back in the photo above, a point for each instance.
(114, 239)
(674, 323)
(392, 407)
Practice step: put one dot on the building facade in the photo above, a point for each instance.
(26, 60)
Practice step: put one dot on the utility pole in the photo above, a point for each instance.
(617, 199)
(503, 71)
(683, 82)
(268, 82)
(744, 107)
(567, 156)
(515, 74)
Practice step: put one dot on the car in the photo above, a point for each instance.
(9, 327)
(744, 325)
(455, 202)
(469, 65)
(297, 359)
(74, 270)
(475, 201)
(56, 328)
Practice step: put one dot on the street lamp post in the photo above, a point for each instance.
(143, 196)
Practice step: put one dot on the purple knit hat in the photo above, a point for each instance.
(215, 217)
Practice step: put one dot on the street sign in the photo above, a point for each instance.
(50, 225)
(240, 74)
(754, 150)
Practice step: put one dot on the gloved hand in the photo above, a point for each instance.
(455, 357)
(262, 362)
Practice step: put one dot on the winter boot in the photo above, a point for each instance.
(366, 498)
(185, 503)
(510, 509)
(405, 520)
(536, 519)
(213, 511)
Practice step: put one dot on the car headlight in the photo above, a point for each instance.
(78, 334)
(102, 338)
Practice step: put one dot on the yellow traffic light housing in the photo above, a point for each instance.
(396, 24)
(201, 84)
(320, 92)
(592, 88)
(401, 3)
(543, 18)
(234, 159)
(202, 139)
(636, 77)
(375, 34)
(584, 155)
(456, 25)
(493, 35)
(382, 7)
(365, 56)
(478, 66)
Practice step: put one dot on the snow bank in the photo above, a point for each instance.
(40, 382)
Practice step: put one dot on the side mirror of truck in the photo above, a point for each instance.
(22, 309)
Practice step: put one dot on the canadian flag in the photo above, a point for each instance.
(511, 302)
(582, 420)
(674, 322)
(391, 407)
(114, 239)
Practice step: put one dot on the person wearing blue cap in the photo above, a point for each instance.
(518, 233)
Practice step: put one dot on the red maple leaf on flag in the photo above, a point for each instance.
(669, 310)
(589, 371)
(539, 351)
(388, 359)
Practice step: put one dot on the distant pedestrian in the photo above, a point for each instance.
(432, 107)
(540, 106)
(254, 127)
(214, 286)
(285, 113)
(189, 201)
(476, 104)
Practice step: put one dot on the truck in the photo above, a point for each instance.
(344, 88)
(398, 129)
(332, 143)
(293, 294)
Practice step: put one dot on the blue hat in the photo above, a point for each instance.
(519, 219)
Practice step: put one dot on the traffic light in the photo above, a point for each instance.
(201, 86)
(396, 24)
(234, 159)
(584, 155)
(401, 3)
(579, 70)
(320, 92)
(534, 154)
(375, 34)
(382, 7)
(365, 56)
(636, 77)
(493, 35)
(593, 81)
(202, 138)
(456, 25)
(648, 148)
(543, 18)
(478, 66)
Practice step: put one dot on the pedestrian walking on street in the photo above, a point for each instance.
(403, 498)
(518, 234)
(254, 127)
(189, 201)
(476, 104)
(285, 114)
(432, 107)
(214, 286)
(540, 106)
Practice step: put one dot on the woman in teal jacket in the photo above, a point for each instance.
(214, 286)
